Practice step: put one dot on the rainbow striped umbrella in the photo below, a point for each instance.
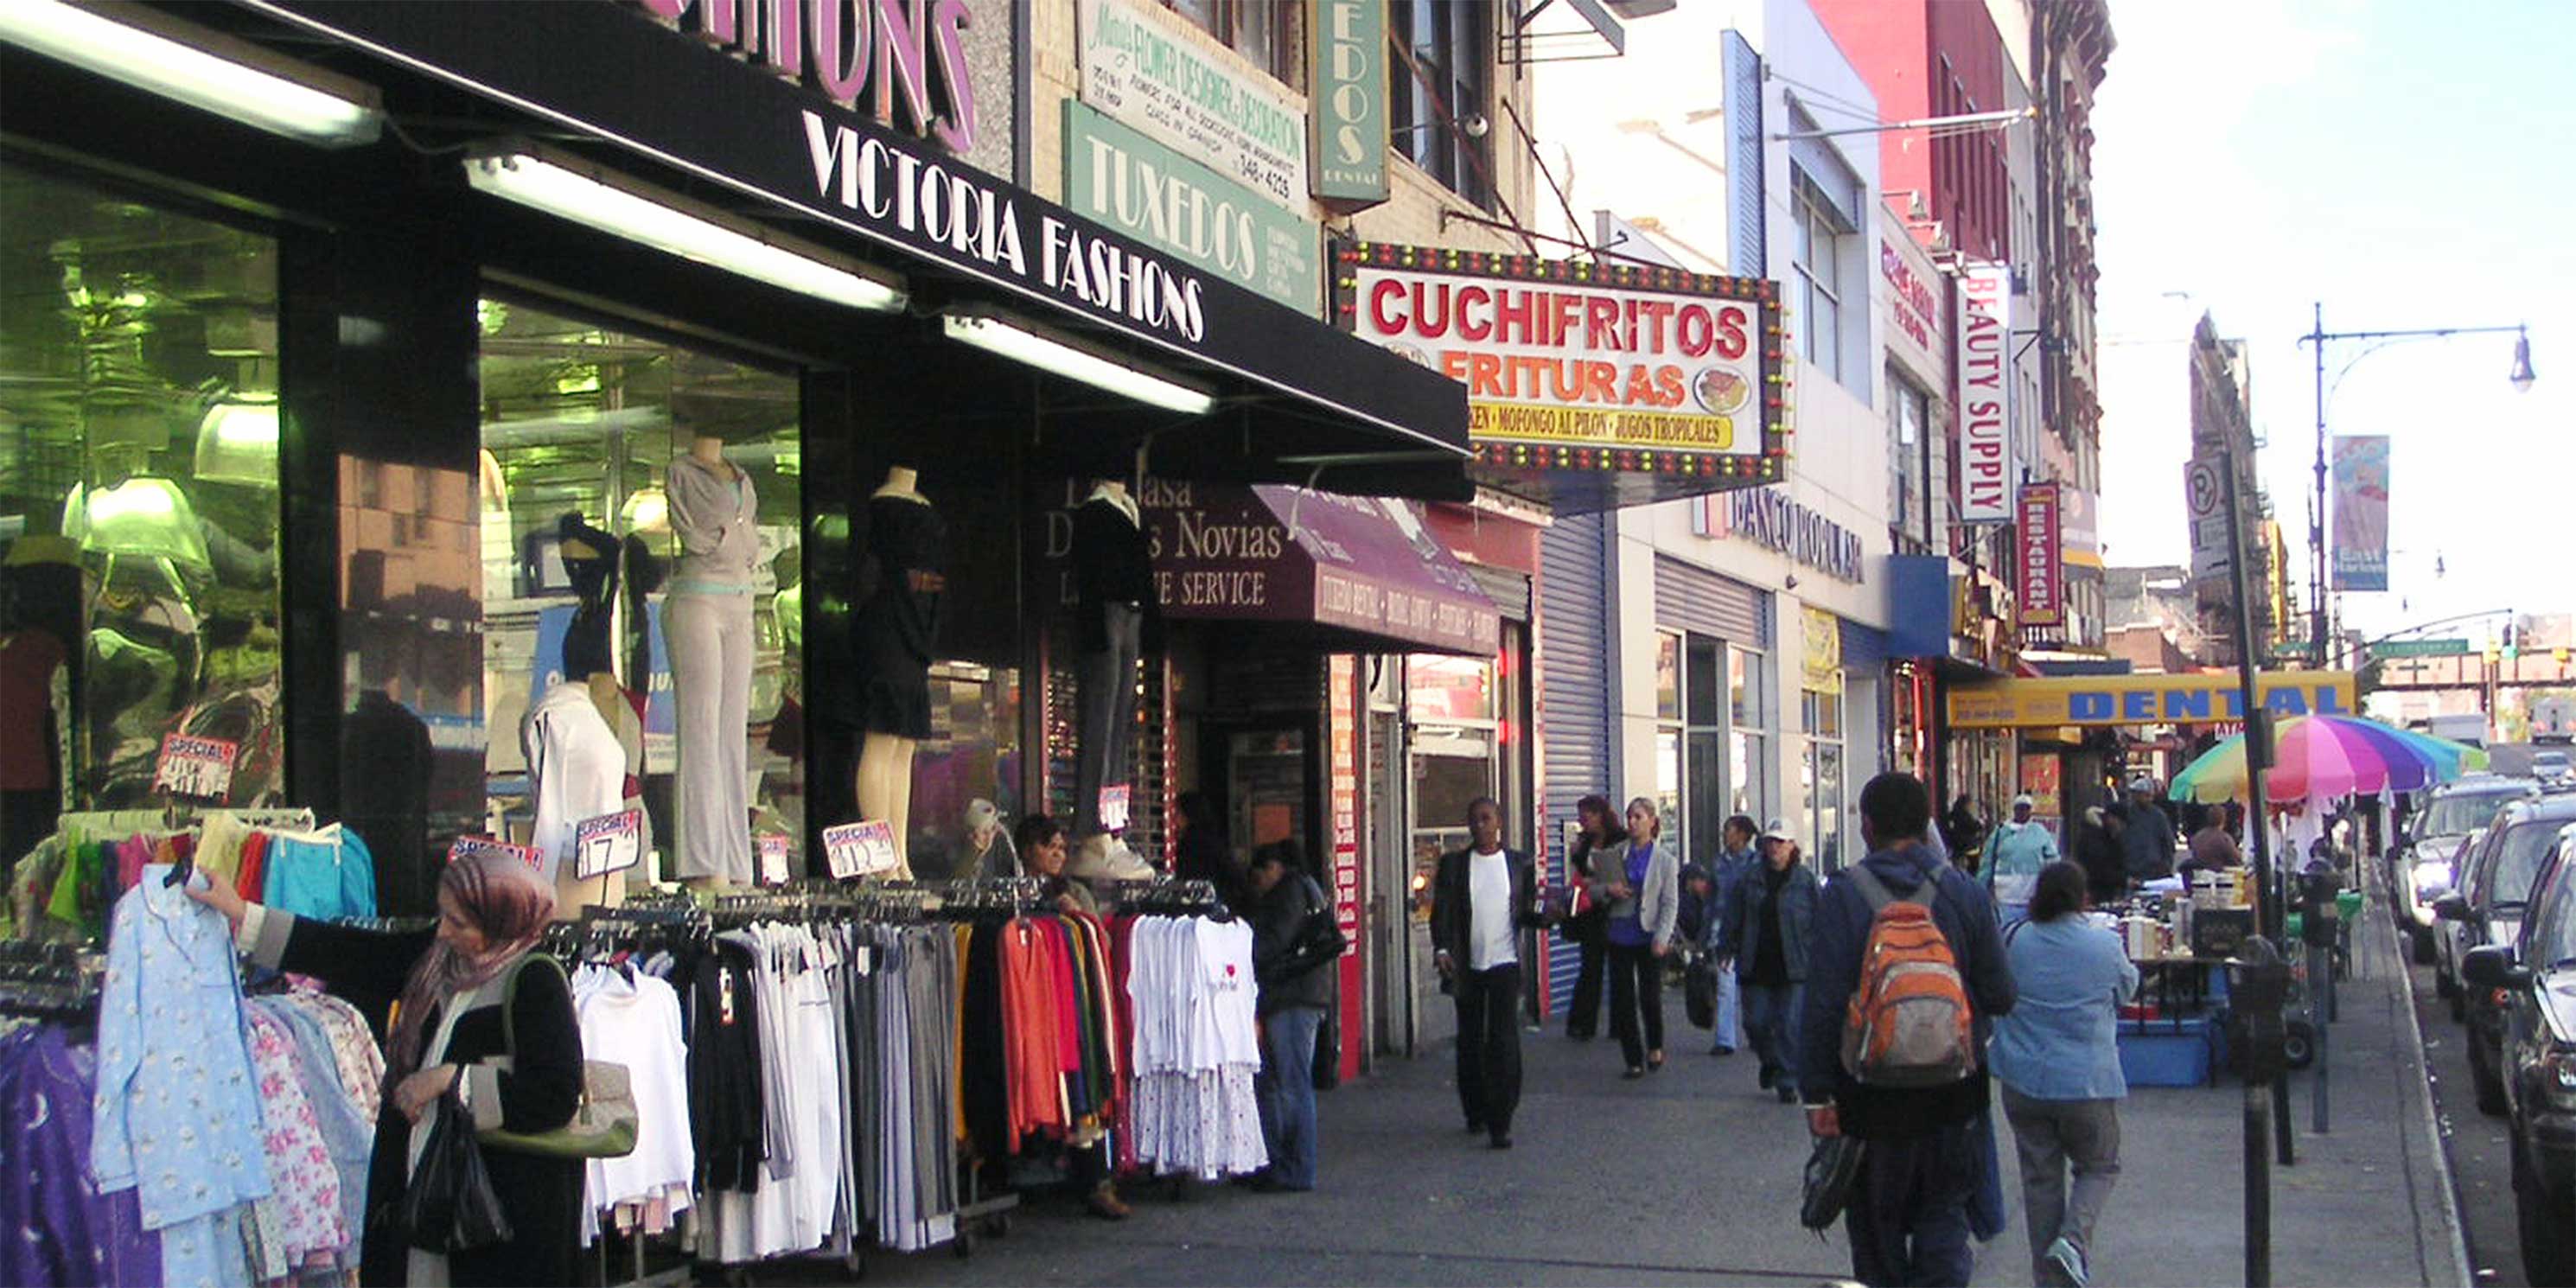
(2323, 757)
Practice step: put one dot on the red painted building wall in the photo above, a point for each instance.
(1926, 58)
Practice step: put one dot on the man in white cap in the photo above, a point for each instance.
(1763, 941)
(2014, 857)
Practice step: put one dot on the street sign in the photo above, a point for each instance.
(2205, 491)
(2419, 648)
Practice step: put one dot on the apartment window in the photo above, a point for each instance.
(1818, 256)
(1909, 415)
(1256, 29)
(1452, 48)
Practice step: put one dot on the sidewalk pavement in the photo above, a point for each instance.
(1692, 1176)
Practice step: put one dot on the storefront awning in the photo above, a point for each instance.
(1294, 398)
(1354, 566)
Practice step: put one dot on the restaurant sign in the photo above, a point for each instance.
(1581, 366)
(2043, 582)
(2146, 699)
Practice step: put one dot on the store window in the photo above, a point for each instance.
(1822, 777)
(1260, 30)
(1448, 81)
(1458, 735)
(1670, 769)
(1748, 786)
(1909, 413)
(973, 753)
(138, 493)
(583, 428)
(1690, 741)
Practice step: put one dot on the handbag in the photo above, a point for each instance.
(603, 1123)
(1699, 991)
(1831, 1169)
(449, 1204)
(1319, 938)
(1328, 1052)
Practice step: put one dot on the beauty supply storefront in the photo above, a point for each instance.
(487, 378)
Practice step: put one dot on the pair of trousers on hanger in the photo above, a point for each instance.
(1107, 678)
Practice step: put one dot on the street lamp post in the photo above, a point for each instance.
(2317, 336)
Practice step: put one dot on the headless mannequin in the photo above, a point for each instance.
(885, 760)
(1112, 581)
(604, 690)
(706, 614)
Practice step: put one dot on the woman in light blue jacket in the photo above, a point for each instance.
(1640, 886)
(2058, 1056)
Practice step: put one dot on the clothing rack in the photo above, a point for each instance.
(1169, 897)
(50, 978)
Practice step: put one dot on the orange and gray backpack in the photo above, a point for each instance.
(1908, 1023)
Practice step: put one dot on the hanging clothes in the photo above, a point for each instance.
(1191, 984)
(60, 1231)
(576, 772)
(633, 1019)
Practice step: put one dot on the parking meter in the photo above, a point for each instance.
(2258, 985)
(2319, 885)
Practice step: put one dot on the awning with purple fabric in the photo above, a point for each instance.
(1273, 553)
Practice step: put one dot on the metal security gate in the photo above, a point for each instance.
(1577, 669)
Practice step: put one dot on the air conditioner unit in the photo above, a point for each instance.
(2020, 280)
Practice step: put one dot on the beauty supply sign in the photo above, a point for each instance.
(1148, 70)
(1573, 355)
(1983, 344)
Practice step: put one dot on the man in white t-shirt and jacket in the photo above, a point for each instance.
(1481, 898)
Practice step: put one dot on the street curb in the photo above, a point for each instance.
(2383, 940)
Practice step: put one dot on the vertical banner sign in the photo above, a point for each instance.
(1346, 124)
(1343, 774)
(1983, 339)
(2361, 512)
(2043, 590)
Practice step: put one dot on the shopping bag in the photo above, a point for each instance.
(1831, 1169)
(450, 1206)
(1699, 991)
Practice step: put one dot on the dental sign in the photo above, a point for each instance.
(1347, 68)
(2146, 699)
(902, 61)
(1555, 359)
(1982, 344)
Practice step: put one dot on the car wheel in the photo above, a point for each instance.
(2298, 1044)
(2483, 1076)
(2548, 1239)
(2423, 943)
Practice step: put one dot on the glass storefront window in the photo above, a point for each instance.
(581, 424)
(1749, 786)
(138, 487)
(973, 752)
(1744, 687)
(1821, 776)
(1439, 687)
(1668, 676)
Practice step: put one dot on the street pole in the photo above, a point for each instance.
(2317, 517)
(2263, 1112)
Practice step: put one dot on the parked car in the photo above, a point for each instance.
(2432, 880)
(2536, 976)
(2551, 766)
(2423, 868)
(2495, 888)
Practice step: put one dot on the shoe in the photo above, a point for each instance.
(1500, 1140)
(2069, 1261)
(1105, 1205)
(1721, 1050)
(1767, 1077)
(1788, 1094)
(1474, 1127)
(1655, 1062)
(1634, 1073)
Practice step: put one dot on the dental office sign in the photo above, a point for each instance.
(2146, 699)
(1983, 343)
(1152, 72)
(1347, 67)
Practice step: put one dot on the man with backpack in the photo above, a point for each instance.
(1905, 973)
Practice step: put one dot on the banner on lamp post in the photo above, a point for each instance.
(2361, 512)
(1346, 122)
(2043, 588)
(1981, 346)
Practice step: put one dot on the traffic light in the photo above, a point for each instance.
(2512, 649)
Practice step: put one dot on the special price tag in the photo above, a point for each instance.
(773, 857)
(859, 849)
(466, 847)
(196, 767)
(608, 843)
(1114, 807)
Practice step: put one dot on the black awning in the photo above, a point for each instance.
(1317, 405)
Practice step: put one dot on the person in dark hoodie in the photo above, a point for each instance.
(1908, 1214)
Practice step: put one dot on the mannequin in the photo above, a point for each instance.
(707, 626)
(903, 580)
(1114, 585)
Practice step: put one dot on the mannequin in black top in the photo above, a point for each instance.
(1113, 576)
(892, 635)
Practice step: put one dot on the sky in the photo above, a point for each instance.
(2409, 164)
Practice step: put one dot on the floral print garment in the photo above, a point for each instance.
(304, 1185)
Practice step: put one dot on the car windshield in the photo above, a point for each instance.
(2518, 860)
(2553, 934)
(2462, 813)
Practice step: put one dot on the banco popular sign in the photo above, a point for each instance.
(1564, 355)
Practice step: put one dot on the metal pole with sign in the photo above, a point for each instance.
(2260, 965)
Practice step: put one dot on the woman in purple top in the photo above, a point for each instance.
(1642, 892)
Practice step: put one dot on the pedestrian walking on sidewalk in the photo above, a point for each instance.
(1914, 1100)
(1763, 939)
(1296, 988)
(1735, 860)
(1642, 889)
(1481, 899)
(2058, 1056)
(1600, 838)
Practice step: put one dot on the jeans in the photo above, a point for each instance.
(1730, 1013)
(1286, 1089)
(1106, 693)
(1772, 1022)
(1489, 1046)
(1908, 1217)
(1583, 1013)
(1636, 993)
(710, 640)
(2054, 1136)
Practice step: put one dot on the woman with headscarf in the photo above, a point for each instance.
(520, 1072)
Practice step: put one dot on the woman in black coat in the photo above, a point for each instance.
(446, 988)
(1601, 834)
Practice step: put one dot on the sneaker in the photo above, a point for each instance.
(1768, 1076)
(2069, 1261)
(1105, 1205)
(1500, 1140)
